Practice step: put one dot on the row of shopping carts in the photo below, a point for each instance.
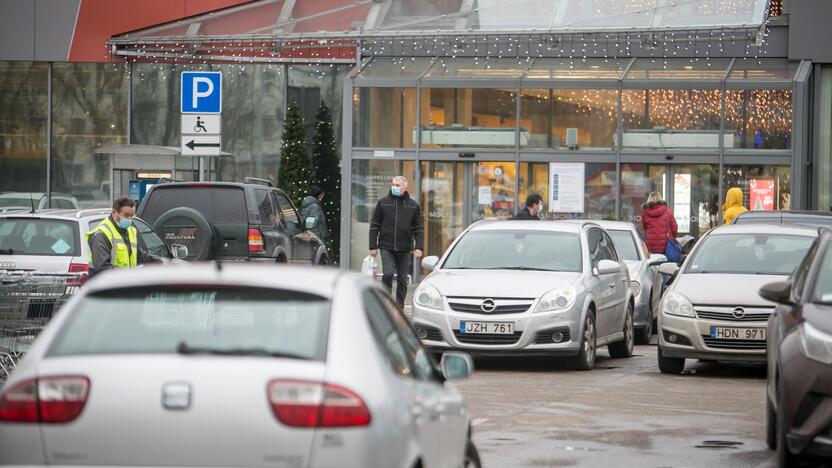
(28, 300)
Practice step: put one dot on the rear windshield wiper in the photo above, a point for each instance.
(183, 348)
(6, 251)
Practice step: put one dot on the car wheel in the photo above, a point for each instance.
(188, 227)
(472, 456)
(668, 365)
(771, 425)
(624, 348)
(785, 458)
(585, 360)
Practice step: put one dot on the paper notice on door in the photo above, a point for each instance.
(566, 187)
(484, 197)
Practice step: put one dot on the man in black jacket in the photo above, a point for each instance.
(534, 205)
(397, 229)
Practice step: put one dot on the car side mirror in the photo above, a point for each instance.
(779, 292)
(429, 263)
(668, 268)
(607, 267)
(179, 251)
(456, 365)
(311, 222)
(656, 259)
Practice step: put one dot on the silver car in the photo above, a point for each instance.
(527, 287)
(646, 281)
(238, 365)
(712, 309)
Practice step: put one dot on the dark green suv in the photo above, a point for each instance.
(232, 222)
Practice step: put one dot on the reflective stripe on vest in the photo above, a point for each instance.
(118, 251)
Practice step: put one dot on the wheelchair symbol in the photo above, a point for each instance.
(199, 126)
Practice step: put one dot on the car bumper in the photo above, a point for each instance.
(807, 396)
(533, 333)
(642, 315)
(690, 338)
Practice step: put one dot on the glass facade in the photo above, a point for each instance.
(759, 118)
(663, 119)
(569, 118)
(465, 117)
(384, 117)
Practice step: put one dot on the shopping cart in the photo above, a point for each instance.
(27, 301)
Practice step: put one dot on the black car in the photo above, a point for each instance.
(232, 222)
(809, 218)
(799, 390)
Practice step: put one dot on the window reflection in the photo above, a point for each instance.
(759, 118)
(672, 118)
(384, 117)
(569, 118)
(469, 117)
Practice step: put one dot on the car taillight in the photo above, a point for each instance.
(52, 400)
(82, 268)
(315, 404)
(255, 241)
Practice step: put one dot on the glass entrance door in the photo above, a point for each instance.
(442, 201)
(494, 190)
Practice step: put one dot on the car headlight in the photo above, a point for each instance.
(428, 296)
(677, 304)
(636, 287)
(815, 344)
(559, 299)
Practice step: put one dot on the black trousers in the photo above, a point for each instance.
(398, 263)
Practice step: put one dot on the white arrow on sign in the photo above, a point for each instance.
(199, 145)
(201, 124)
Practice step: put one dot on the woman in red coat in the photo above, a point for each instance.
(659, 223)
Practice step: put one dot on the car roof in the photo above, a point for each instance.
(59, 213)
(787, 229)
(513, 225)
(310, 279)
(785, 214)
(214, 184)
(616, 225)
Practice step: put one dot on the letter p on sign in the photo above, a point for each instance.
(201, 92)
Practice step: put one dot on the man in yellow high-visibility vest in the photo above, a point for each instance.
(114, 243)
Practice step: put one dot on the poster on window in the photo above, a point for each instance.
(566, 187)
(681, 201)
(761, 194)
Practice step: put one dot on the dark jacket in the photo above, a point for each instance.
(101, 249)
(397, 224)
(311, 206)
(659, 225)
(524, 214)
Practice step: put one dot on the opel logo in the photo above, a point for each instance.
(488, 305)
(7, 265)
(738, 313)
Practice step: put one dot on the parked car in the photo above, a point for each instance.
(508, 288)
(799, 387)
(646, 282)
(232, 222)
(38, 200)
(55, 241)
(711, 309)
(809, 218)
(314, 368)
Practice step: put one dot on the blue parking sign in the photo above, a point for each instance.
(201, 92)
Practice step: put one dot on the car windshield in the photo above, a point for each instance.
(33, 236)
(222, 320)
(517, 250)
(823, 283)
(750, 254)
(625, 244)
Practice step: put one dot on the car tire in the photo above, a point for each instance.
(585, 360)
(201, 242)
(624, 348)
(785, 458)
(771, 425)
(472, 456)
(668, 365)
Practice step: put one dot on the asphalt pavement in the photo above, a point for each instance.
(625, 413)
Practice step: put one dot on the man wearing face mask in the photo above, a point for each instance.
(114, 243)
(532, 210)
(397, 229)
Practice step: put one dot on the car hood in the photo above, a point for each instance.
(724, 289)
(819, 316)
(499, 283)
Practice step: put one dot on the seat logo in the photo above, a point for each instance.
(738, 313)
(488, 305)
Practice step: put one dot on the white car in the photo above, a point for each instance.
(234, 365)
(509, 288)
(54, 241)
(646, 281)
(38, 200)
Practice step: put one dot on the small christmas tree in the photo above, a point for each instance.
(326, 164)
(295, 174)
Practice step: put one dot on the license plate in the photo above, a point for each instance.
(738, 333)
(486, 328)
